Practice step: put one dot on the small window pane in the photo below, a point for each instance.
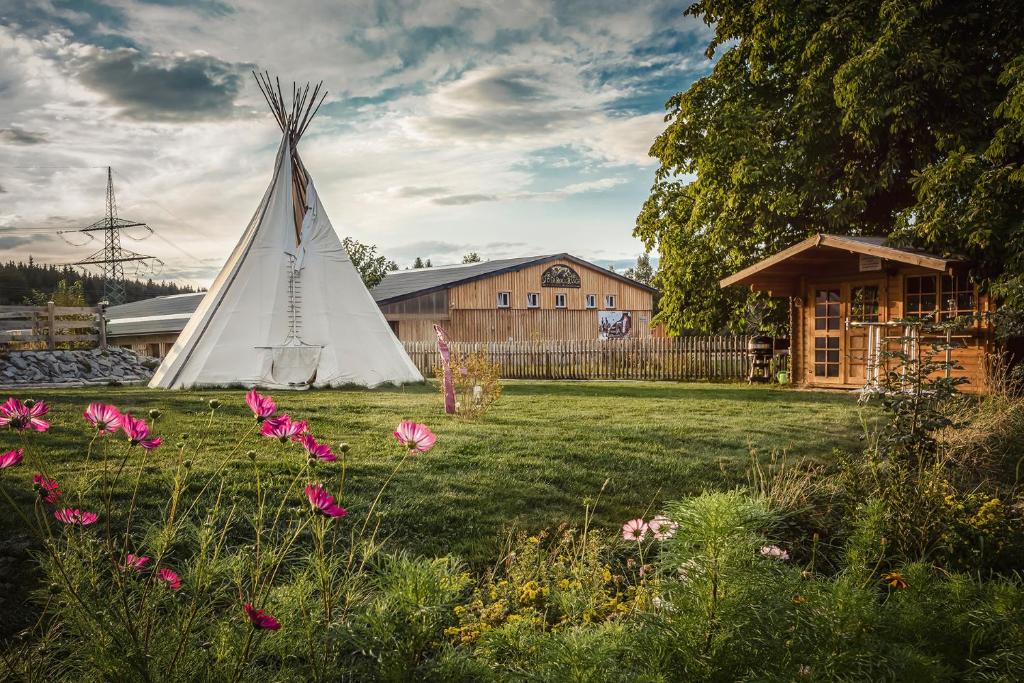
(832, 370)
(927, 285)
(819, 356)
(819, 369)
(833, 343)
(833, 356)
(913, 285)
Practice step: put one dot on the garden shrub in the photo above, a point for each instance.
(477, 383)
(889, 568)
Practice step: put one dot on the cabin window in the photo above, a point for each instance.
(559, 300)
(826, 356)
(591, 300)
(957, 296)
(826, 309)
(921, 296)
(533, 300)
(609, 301)
(865, 304)
(503, 299)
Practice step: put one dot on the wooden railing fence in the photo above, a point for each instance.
(52, 327)
(672, 358)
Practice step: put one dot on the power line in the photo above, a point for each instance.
(112, 257)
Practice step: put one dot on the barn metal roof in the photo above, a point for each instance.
(152, 316)
(166, 314)
(402, 284)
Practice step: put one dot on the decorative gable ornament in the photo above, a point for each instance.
(560, 275)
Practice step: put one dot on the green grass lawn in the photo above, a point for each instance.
(530, 463)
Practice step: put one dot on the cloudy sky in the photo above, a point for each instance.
(507, 128)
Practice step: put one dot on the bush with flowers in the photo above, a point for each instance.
(288, 580)
(476, 380)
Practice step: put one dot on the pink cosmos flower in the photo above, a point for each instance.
(170, 578)
(137, 562)
(323, 502)
(105, 418)
(138, 432)
(75, 516)
(662, 527)
(415, 436)
(27, 415)
(261, 406)
(283, 427)
(635, 530)
(775, 552)
(320, 451)
(47, 489)
(11, 458)
(260, 619)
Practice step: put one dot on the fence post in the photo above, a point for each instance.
(51, 326)
(103, 324)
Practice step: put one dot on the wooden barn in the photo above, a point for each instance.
(539, 298)
(847, 296)
(552, 297)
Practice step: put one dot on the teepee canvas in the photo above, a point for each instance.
(288, 309)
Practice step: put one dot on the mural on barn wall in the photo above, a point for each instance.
(560, 275)
(614, 325)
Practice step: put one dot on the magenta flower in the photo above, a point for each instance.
(662, 527)
(138, 432)
(323, 502)
(635, 530)
(283, 427)
(320, 451)
(415, 436)
(47, 489)
(260, 619)
(75, 516)
(11, 458)
(261, 406)
(137, 562)
(170, 578)
(27, 415)
(774, 552)
(105, 418)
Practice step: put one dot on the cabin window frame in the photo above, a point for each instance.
(609, 301)
(591, 301)
(866, 307)
(533, 299)
(504, 299)
(952, 296)
(561, 297)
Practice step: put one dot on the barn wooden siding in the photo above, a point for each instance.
(676, 358)
(472, 312)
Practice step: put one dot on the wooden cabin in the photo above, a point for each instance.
(552, 297)
(532, 298)
(847, 295)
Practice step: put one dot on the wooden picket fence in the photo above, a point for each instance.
(51, 327)
(672, 358)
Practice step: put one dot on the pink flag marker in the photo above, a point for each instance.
(446, 367)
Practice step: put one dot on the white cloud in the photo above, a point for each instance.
(477, 96)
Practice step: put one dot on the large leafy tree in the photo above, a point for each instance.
(372, 266)
(881, 117)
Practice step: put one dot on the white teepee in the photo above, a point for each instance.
(288, 309)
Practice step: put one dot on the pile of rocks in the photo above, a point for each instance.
(74, 368)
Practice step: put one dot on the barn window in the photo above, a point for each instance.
(957, 296)
(865, 304)
(559, 300)
(826, 356)
(609, 301)
(921, 296)
(503, 299)
(533, 300)
(591, 300)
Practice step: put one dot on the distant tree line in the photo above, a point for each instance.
(29, 283)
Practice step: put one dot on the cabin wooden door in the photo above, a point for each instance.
(826, 352)
(863, 305)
